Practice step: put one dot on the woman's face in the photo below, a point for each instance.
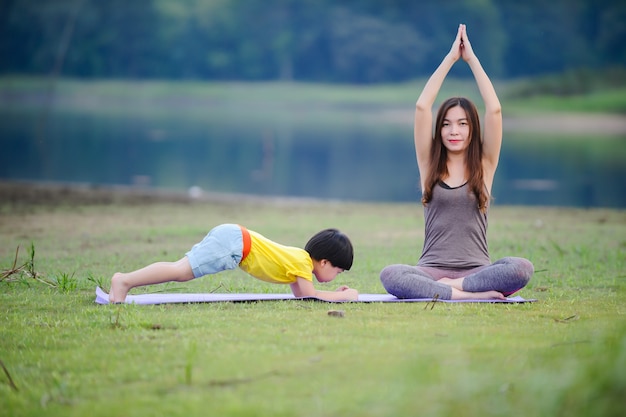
(455, 130)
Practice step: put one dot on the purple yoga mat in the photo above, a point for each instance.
(172, 298)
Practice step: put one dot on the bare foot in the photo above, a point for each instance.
(486, 295)
(119, 289)
(454, 283)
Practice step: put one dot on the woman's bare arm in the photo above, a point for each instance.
(423, 123)
(492, 130)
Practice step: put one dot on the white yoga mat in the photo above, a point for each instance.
(173, 298)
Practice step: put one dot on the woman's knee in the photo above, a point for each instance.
(388, 274)
(525, 268)
(389, 277)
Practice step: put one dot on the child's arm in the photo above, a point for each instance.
(305, 288)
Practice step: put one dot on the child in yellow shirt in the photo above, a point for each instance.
(228, 246)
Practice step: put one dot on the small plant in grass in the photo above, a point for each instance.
(97, 281)
(66, 282)
(115, 318)
(27, 269)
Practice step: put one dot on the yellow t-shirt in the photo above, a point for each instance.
(275, 263)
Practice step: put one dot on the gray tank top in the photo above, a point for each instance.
(456, 230)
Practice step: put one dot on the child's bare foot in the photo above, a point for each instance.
(119, 289)
(486, 295)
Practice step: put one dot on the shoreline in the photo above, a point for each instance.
(25, 193)
(28, 192)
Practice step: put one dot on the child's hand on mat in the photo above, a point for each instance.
(350, 293)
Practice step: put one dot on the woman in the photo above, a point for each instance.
(456, 168)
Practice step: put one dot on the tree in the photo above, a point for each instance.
(360, 41)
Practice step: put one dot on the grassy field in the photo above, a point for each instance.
(63, 355)
(200, 99)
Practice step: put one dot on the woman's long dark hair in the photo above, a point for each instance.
(438, 168)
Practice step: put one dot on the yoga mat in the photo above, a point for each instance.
(172, 298)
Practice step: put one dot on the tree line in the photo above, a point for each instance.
(349, 41)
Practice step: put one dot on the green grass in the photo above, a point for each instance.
(302, 102)
(564, 355)
(602, 101)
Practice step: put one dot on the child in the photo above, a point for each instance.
(227, 246)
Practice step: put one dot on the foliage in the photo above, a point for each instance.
(63, 355)
(578, 82)
(354, 41)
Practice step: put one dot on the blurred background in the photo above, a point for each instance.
(310, 98)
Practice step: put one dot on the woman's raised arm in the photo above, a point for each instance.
(492, 130)
(423, 123)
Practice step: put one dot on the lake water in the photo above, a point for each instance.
(352, 161)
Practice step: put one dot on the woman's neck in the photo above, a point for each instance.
(457, 172)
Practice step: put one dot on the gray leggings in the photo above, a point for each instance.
(506, 275)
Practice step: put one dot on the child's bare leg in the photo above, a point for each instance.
(156, 273)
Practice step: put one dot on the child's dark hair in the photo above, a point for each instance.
(332, 245)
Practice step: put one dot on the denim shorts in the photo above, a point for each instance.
(220, 250)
